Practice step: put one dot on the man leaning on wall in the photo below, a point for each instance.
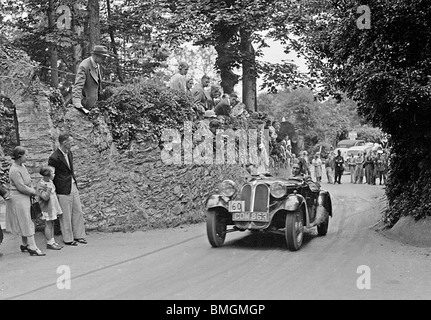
(88, 80)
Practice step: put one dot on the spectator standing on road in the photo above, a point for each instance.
(352, 165)
(339, 167)
(18, 218)
(369, 168)
(88, 80)
(317, 164)
(49, 204)
(380, 167)
(328, 168)
(359, 168)
(72, 219)
(178, 80)
(374, 172)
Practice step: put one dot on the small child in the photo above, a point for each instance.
(4, 193)
(49, 204)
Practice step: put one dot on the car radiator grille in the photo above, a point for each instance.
(259, 194)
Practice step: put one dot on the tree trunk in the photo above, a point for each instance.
(113, 45)
(93, 24)
(228, 78)
(78, 29)
(225, 61)
(249, 72)
(53, 56)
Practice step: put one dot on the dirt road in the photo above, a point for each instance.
(351, 262)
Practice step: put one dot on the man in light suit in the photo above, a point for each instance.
(72, 219)
(178, 80)
(88, 80)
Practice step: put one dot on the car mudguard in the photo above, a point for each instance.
(217, 200)
(324, 200)
(291, 203)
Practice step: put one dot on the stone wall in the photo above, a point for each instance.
(31, 101)
(119, 191)
(135, 189)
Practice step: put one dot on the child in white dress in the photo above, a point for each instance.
(49, 204)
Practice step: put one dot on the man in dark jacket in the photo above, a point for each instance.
(223, 107)
(339, 167)
(72, 219)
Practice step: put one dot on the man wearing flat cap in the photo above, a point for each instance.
(88, 80)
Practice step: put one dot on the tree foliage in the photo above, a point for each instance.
(319, 122)
(142, 111)
(386, 69)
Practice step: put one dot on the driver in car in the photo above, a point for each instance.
(296, 173)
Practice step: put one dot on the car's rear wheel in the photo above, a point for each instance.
(322, 229)
(294, 231)
(216, 227)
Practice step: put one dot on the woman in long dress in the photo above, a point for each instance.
(18, 218)
(317, 163)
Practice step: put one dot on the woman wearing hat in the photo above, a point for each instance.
(88, 80)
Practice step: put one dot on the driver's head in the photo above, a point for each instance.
(296, 170)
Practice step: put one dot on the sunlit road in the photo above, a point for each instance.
(180, 264)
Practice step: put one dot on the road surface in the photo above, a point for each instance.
(351, 262)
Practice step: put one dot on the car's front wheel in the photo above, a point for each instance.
(322, 228)
(294, 231)
(216, 227)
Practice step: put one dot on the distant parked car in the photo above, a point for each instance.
(360, 149)
(344, 145)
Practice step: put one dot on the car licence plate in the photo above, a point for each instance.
(250, 216)
(236, 206)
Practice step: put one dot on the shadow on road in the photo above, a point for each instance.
(265, 241)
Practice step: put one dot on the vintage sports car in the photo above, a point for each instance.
(269, 204)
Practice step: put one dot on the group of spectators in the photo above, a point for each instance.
(363, 168)
(57, 194)
(371, 167)
(209, 100)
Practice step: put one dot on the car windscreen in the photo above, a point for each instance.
(342, 145)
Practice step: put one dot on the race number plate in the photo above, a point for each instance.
(250, 216)
(236, 206)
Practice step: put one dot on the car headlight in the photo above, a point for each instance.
(278, 190)
(227, 188)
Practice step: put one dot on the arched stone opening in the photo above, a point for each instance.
(20, 87)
